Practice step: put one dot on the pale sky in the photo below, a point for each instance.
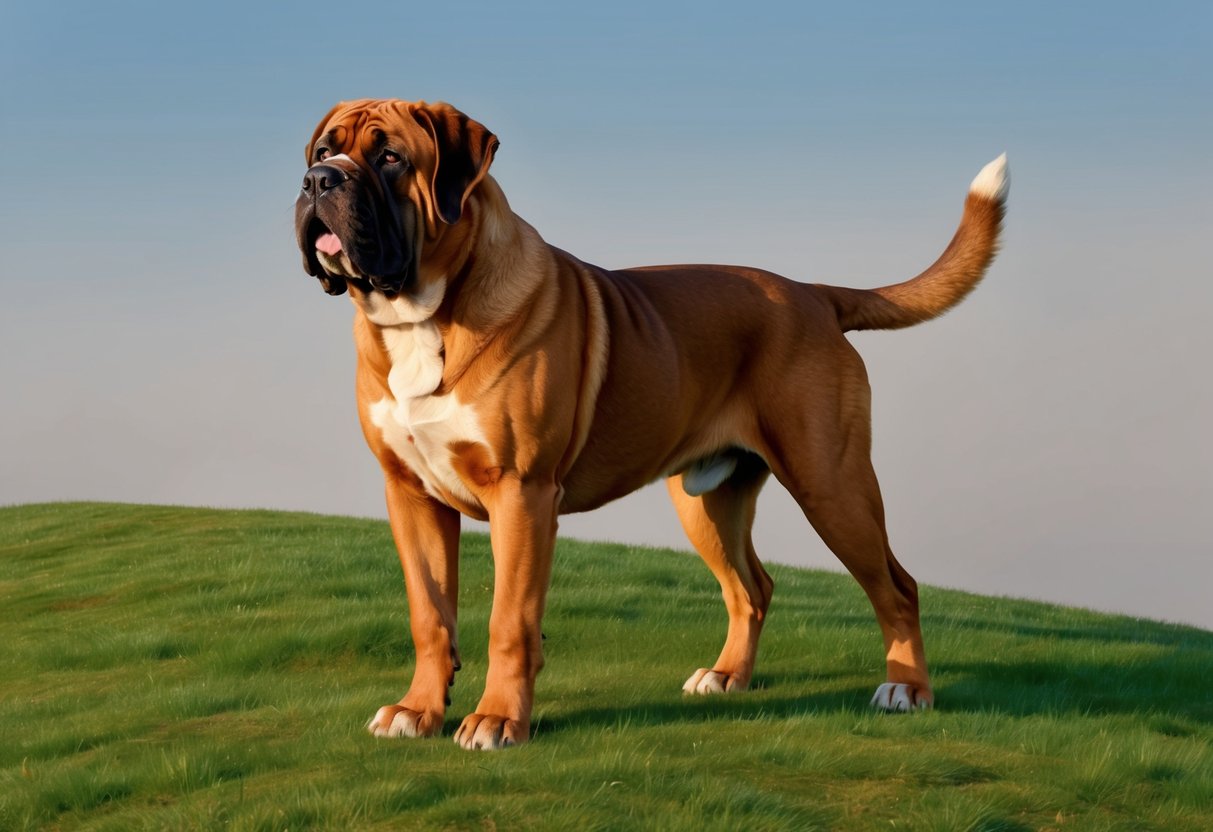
(159, 341)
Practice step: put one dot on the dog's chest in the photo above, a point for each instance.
(420, 428)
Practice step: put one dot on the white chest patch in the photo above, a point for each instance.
(404, 308)
(417, 426)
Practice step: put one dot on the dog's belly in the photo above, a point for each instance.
(625, 460)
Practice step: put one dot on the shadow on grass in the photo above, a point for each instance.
(1130, 632)
(706, 709)
(1151, 687)
(1169, 699)
(1122, 631)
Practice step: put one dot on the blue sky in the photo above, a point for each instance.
(159, 341)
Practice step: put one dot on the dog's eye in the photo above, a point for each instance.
(389, 157)
(323, 153)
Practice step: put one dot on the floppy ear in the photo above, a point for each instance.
(463, 151)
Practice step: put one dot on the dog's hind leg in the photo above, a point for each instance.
(718, 524)
(822, 455)
(850, 519)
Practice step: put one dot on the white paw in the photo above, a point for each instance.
(892, 696)
(487, 732)
(395, 721)
(705, 681)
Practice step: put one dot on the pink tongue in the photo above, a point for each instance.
(328, 243)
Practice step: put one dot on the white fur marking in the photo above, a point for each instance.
(417, 426)
(374, 725)
(403, 726)
(404, 308)
(993, 181)
(892, 696)
(416, 354)
(704, 681)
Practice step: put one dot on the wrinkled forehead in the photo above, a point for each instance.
(360, 128)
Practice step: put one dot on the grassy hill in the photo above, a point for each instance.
(175, 668)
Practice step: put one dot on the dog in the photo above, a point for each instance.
(504, 379)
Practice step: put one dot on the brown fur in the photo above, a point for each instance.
(592, 383)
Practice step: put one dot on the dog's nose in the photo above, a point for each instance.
(320, 178)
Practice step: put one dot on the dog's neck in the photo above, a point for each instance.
(498, 285)
(486, 291)
(472, 294)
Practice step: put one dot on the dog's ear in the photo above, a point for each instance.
(463, 151)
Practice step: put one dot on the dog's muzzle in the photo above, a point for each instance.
(321, 178)
(338, 218)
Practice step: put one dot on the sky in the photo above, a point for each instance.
(159, 341)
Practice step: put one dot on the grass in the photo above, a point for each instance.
(176, 668)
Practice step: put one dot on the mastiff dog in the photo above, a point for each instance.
(502, 378)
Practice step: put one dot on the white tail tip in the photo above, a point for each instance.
(993, 181)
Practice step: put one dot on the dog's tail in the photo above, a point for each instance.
(946, 283)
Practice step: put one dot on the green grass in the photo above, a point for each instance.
(175, 668)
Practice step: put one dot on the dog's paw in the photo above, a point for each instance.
(399, 721)
(488, 732)
(705, 680)
(893, 696)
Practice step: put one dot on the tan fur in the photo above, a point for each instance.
(946, 283)
(590, 384)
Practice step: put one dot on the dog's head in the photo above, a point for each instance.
(384, 180)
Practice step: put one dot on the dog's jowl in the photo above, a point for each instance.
(505, 379)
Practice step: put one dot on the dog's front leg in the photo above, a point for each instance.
(522, 521)
(427, 538)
